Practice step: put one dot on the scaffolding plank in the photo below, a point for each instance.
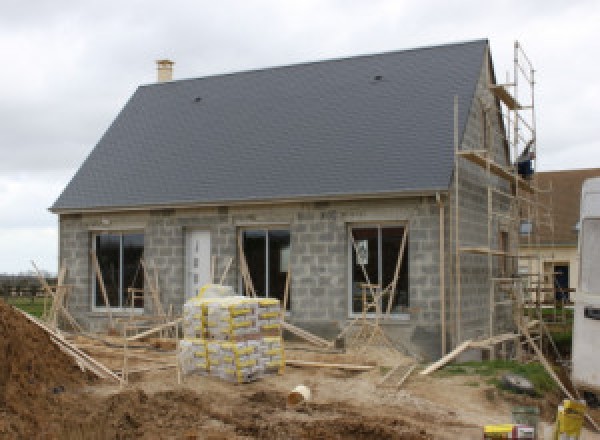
(476, 157)
(503, 94)
(482, 250)
(479, 159)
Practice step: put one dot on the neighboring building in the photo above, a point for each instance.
(553, 244)
(291, 164)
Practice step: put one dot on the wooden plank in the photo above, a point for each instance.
(444, 360)
(406, 375)
(490, 342)
(153, 286)
(146, 369)
(245, 272)
(286, 292)
(222, 280)
(392, 285)
(76, 352)
(525, 332)
(305, 335)
(155, 330)
(389, 374)
(503, 95)
(482, 250)
(350, 367)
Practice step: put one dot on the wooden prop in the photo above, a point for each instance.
(80, 357)
(155, 330)
(406, 375)
(222, 280)
(245, 272)
(58, 294)
(392, 286)
(307, 336)
(100, 279)
(286, 293)
(525, 332)
(444, 360)
(389, 374)
(154, 291)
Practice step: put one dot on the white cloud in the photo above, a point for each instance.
(69, 66)
(22, 245)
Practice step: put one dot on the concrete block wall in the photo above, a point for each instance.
(473, 213)
(319, 256)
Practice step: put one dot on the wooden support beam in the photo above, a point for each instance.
(286, 292)
(525, 332)
(154, 291)
(444, 360)
(244, 271)
(406, 375)
(301, 333)
(79, 356)
(100, 279)
(224, 275)
(350, 367)
(392, 285)
(155, 330)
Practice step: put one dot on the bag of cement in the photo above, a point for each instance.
(215, 291)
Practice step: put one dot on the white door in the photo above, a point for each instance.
(197, 261)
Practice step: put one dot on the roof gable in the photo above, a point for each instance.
(311, 130)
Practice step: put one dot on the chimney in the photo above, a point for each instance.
(164, 70)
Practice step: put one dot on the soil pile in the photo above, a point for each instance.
(33, 372)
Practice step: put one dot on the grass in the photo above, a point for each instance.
(494, 370)
(33, 306)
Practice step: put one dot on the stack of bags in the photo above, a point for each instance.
(235, 338)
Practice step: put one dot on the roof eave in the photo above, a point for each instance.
(298, 199)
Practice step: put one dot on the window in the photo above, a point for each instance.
(378, 248)
(267, 253)
(119, 258)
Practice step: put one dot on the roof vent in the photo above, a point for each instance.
(197, 99)
(378, 77)
(164, 70)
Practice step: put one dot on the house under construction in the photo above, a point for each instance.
(394, 170)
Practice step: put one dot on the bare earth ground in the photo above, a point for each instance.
(43, 396)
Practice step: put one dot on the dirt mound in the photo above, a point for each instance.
(33, 372)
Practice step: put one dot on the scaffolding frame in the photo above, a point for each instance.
(510, 200)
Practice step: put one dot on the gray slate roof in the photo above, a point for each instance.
(309, 130)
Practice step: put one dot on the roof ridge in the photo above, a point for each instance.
(327, 60)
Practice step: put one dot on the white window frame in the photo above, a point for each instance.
(374, 225)
(121, 308)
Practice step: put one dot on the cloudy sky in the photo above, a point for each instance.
(68, 67)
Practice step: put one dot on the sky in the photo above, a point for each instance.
(69, 66)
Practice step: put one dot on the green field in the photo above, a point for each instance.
(33, 306)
